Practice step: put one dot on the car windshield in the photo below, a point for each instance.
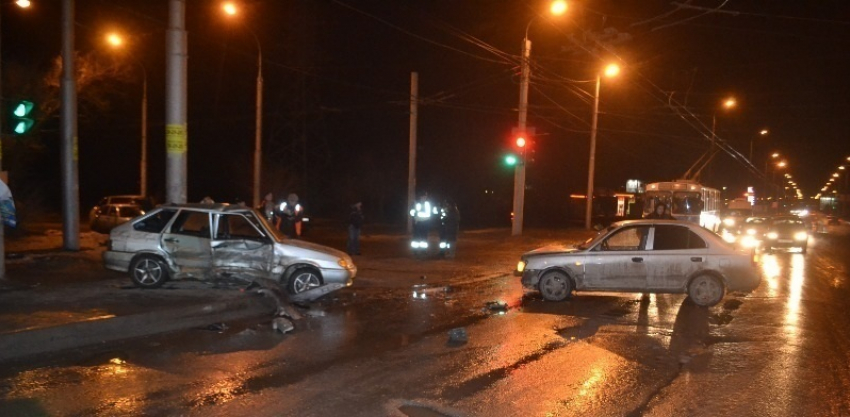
(592, 241)
(787, 221)
(263, 224)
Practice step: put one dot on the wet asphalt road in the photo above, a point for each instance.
(382, 348)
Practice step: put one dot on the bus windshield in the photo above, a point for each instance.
(687, 203)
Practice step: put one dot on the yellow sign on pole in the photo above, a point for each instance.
(175, 139)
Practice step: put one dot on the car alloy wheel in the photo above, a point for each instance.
(304, 280)
(555, 286)
(706, 290)
(148, 272)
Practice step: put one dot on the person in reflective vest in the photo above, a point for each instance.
(290, 214)
(422, 212)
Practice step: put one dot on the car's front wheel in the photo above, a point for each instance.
(555, 286)
(706, 290)
(303, 280)
(148, 272)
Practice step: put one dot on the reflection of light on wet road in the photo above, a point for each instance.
(770, 268)
(792, 310)
(591, 384)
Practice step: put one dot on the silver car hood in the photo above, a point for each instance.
(551, 249)
(314, 247)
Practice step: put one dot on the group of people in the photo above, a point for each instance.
(288, 216)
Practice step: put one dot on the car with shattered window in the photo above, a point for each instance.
(657, 256)
(206, 241)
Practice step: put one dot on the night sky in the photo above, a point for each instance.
(337, 82)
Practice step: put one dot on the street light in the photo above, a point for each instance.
(610, 71)
(762, 133)
(727, 104)
(230, 9)
(557, 8)
(116, 41)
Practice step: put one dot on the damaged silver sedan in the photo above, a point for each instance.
(659, 256)
(218, 240)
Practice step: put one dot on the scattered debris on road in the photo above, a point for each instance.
(497, 307)
(458, 336)
(282, 324)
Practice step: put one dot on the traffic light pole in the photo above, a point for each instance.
(70, 186)
(519, 171)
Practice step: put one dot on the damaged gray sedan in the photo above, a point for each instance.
(219, 240)
(659, 256)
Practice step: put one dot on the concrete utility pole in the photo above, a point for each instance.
(411, 170)
(70, 184)
(519, 171)
(591, 166)
(143, 163)
(258, 131)
(176, 138)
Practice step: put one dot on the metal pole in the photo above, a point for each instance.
(519, 171)
(70, 185)
(143, 163)
(592, 162)
(176, 137)
(258, 133)
(411, 170)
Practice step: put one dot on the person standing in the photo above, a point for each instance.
(267, 208)
(421, 213)
(291, 214)
(449, 222)
(355, 223)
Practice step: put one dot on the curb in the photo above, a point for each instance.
(75, 335)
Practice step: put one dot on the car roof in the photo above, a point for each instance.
(214, 207)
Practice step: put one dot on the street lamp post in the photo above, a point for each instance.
(230, 9)
(557, 8)
(610, 71)
(727, 104)
(762, 133)
(116, 41)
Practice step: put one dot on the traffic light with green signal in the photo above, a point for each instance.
(22, 121)
(511, 160)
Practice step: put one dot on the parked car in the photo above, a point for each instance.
(212, 240)
(662, 256)
(786, 232)
(143, 202)
(104, 219)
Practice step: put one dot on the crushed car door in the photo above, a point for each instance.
(616, 263)
(240, 249)
(187, 242)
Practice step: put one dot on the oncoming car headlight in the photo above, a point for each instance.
(772, 235)
(801, 236)
(729, 221)
(520, 266)
(751, 232)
